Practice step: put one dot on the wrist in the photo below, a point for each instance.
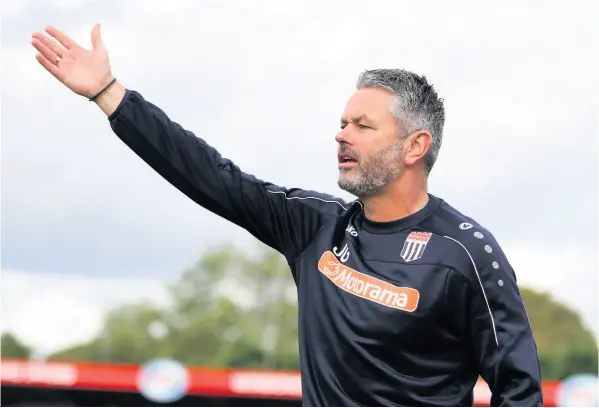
(106, 85)
(110, 98)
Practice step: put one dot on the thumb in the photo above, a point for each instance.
(97, 37)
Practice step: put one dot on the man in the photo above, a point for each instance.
(402, 299)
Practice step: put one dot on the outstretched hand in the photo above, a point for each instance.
(83, 71)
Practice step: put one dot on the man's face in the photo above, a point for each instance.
(370, 149)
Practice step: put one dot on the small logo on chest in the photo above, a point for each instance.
(415, 245)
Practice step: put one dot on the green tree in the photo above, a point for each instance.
(229, 309)
(238, 309)
(131, 334)
(565, 345)
(13, 347)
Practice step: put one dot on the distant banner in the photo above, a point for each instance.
(166, 380)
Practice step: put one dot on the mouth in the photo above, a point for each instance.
(346, 161)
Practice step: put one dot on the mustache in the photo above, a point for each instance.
(346, 150)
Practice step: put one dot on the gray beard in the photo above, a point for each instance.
(374, 173)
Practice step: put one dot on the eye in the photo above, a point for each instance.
(359, 125)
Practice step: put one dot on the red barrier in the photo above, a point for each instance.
(201, 381)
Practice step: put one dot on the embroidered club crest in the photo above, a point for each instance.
(415, 245)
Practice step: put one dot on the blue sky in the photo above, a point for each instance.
(265, 84)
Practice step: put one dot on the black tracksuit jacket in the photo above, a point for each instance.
(408, 312)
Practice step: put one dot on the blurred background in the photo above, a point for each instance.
(117, 290)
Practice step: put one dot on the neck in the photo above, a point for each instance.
(405, 196)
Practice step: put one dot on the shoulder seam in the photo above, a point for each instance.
(481, 286)
(328, 214)
(306, 198)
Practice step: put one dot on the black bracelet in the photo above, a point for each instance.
(93, 98)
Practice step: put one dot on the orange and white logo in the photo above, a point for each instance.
(367, 287)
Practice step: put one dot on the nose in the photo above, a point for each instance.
(343, 136)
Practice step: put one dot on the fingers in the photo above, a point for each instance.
(62, 38)
(97, 37)
(44, 50)
(50, 67)
(50, 44)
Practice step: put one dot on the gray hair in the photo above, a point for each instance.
(416, 107)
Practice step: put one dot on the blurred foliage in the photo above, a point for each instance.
(228, 310)
(231, 309)
(12, 347)
(565, 345)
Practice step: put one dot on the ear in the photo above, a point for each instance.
(417, 146)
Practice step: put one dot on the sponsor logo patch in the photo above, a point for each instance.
(415, 245)
(366, 286)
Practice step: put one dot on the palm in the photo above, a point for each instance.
(83, 71)
(82, 74)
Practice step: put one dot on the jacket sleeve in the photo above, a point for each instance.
(497, 324)
(284, 219)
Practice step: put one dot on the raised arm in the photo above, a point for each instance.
(285, 219)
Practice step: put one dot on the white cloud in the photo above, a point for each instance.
(69, 4)
(13, 6)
